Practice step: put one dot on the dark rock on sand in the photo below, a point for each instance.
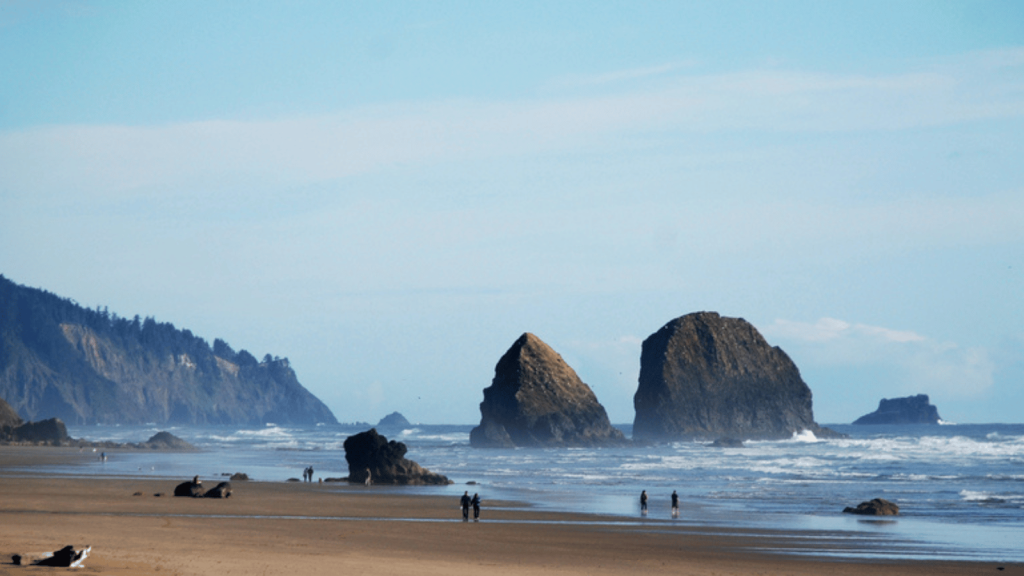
(192, 489)
(909, 410)
(706, 376)
(536, 399)
(370, 453)
(876, 507)
(222, 490)
(239, 476)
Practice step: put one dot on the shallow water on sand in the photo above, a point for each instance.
(960, 488)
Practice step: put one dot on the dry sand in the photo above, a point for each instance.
(309, 529)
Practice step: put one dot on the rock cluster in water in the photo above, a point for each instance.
(536, 399)
(909, 410)
(705, 376)
(876, 507)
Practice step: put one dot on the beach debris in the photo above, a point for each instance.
(16, 559)
(66, 557)
(876, 507)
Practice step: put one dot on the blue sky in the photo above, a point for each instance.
(389, 194)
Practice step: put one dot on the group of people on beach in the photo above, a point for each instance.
(467, 502)
(307, 474)
(675, 503)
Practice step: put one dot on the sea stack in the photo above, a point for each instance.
(536, 399)
(909, 410)
(704, 376)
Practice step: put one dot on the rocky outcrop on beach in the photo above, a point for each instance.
(9, 418)
(14, 430)
(704, 376)
(85, 366)
(876, 507)
(909, 410)
(371, 456)
(536, 399)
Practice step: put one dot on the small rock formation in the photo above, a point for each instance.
(166, 441)
(393, 421)
(239, 477)
(370, 453)
(909, 410)
(193, 489)
(536, 399)
(705, 376)
(727, 443)
(222, 490)
(876, 507)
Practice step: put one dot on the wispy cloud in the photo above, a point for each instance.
(297, 151)
(915, 362)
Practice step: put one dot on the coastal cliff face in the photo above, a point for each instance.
(705, 376)
(536, 399)
(84, 366)
(909, 410)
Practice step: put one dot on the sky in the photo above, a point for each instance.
(389, 194)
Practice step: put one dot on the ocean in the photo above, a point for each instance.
(960, 488)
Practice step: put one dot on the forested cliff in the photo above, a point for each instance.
(59, 359)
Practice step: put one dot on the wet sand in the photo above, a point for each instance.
(308, 529)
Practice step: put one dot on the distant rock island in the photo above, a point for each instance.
(392, 421)
(909, 410)
(536, 399)
(705, 376)
(84, 366)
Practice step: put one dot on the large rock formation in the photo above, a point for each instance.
(58, 359)
(536, 399)
(369, 453)
(704, 376)
(909, 410)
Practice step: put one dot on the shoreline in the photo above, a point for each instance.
(287, 527)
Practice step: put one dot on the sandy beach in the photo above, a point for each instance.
(308, 529)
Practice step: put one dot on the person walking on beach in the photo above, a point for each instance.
(465, 505)
(369, 479)
(476, 506)
(675, 504)
(311, 474)
(305, 474)
(643, 502)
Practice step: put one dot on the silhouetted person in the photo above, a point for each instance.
(675, 504)
(643, 502)
(466, 501)
(476, 506)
